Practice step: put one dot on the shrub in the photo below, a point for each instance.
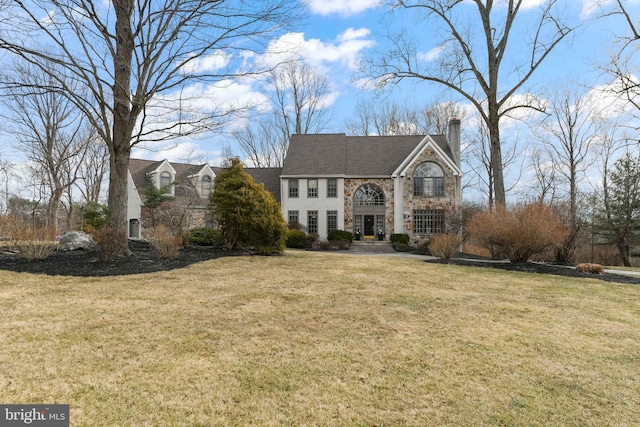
(34, 244)
(590, 268)
(445, 245)
(204, 236)
(95, 216)
(399, 239)
(402, 247)
(247, 214)
(165, 242)
(422, 248)
(340, 235)
(112, 242)
(296, 239)
(311, 240)
(519, 233)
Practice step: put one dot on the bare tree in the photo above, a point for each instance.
(48, 128)
(622, 65)
(380, 118)
(298, 105)
(472, 57)
(94, 169)
(568, 133)
(149, 65)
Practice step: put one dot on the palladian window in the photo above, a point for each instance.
(368, 195)
(428, 180)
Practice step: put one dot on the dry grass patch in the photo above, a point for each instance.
(323, 339)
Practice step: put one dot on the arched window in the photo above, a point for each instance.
(369, 195)
(165, 179)
(428, 180)
(206, 185)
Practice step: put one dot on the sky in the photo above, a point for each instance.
(336, 35)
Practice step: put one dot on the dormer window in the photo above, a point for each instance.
(206, 186)
(428, 180)
(165, 179)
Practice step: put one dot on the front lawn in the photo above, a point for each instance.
(322, 339)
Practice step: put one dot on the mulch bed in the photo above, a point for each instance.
(533, 267)
(143, 259)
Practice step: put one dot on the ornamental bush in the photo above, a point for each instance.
(445, 245)
(296, 239)
(399, 238)
(204, 236)
(519, 233)
(340, 235)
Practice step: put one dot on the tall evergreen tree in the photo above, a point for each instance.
(622, 205)
(247, 214)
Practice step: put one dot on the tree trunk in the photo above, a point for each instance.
(123, 119)
(52, 210)
(117, 203)
(496, 159)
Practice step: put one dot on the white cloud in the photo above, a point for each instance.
(433, 54)
(342, 7)
(343, 50)
(215, 61)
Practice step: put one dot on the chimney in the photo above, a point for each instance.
(453, 138)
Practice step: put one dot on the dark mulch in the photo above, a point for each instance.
(533, 267)
(143, 259)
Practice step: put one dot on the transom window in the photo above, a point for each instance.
(428, 221)
(369, 195)
(428, 180)
(165, 179)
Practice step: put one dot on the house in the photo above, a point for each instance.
(378, 185)
(190, 186)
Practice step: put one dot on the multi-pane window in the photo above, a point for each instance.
(207, 185)
(312, 221)
(293, 188)
(294, 217)
(428, 180)
(332, 187)
(165, 179)
(368, 195)
(312, 188)
(428, 221)
(332, 221)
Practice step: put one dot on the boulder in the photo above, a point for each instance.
(73, 240)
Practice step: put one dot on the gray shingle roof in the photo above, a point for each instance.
(338, 154)
(139, 169)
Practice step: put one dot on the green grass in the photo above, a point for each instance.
(317, 339)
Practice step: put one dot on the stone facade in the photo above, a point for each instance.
(350, 187)
(446, 203)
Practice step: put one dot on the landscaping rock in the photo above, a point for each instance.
(74, 240)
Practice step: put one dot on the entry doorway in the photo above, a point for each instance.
(369, 222)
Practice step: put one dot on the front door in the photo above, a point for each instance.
(368, 225)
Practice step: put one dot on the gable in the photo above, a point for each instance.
(442, 153)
